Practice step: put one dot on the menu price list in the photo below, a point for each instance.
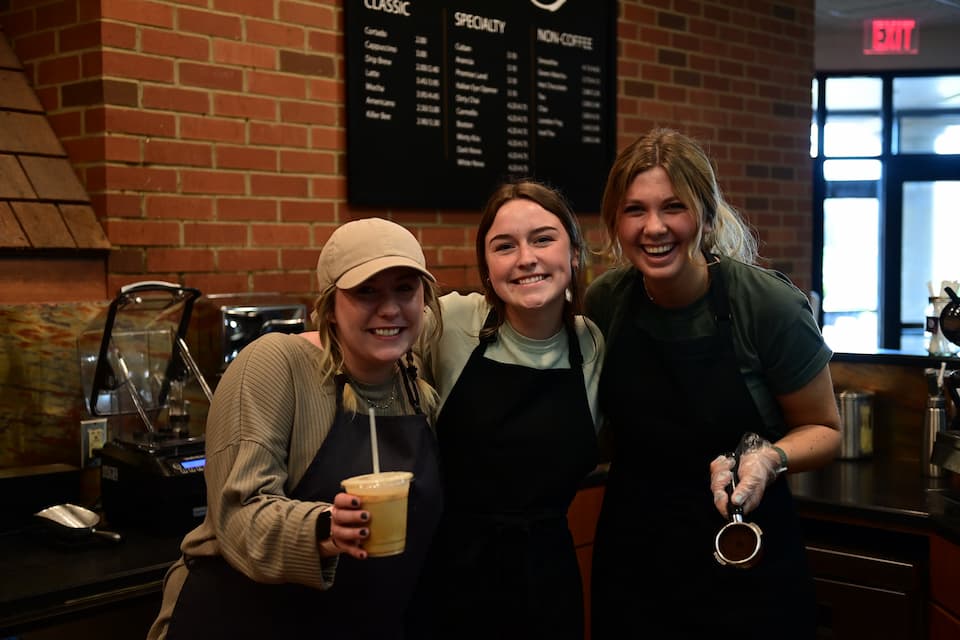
(445, 99)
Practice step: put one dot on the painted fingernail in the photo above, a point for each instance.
(354, 503)
(364, 515)
(364, 533)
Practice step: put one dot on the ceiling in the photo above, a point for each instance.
(846, 14)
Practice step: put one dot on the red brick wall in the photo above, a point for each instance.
(210, 133)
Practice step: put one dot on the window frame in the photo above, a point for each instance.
(896, 169)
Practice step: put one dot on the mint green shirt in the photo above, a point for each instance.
(463, 317)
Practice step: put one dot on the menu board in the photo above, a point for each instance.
(447, 98)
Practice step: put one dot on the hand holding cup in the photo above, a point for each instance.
(349, 525)
(384, 496)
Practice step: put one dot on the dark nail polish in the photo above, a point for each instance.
(364, 533)
(364, 516)
(354, 503)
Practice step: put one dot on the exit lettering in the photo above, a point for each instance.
(890, 37)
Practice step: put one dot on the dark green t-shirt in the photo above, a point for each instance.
(776, 338)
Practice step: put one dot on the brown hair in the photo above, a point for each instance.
(554, 202)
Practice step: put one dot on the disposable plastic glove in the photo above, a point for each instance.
(756, 471)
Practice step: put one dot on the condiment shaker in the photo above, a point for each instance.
(934, 421)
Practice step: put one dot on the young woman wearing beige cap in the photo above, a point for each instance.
(279, 554)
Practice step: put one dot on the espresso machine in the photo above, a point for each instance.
(137, 372)
(224, 323)
(946, 448)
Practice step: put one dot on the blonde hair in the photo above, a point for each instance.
(720, 228)
(331, 360)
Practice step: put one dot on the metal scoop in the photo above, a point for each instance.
(72, 521)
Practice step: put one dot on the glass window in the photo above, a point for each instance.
(814, 132)
(850, 276)
(938, 134)
(948, 142)
(841, 170)
(854, 94)
(934, 92)
(887, 213)
(930, 256)
(922, 114)
(846, 136)
(931, 229)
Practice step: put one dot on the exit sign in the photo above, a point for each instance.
(890, 37)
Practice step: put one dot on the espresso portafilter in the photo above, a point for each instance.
(738, 543)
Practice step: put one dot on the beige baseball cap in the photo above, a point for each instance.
(360, 249)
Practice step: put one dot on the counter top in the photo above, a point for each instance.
(45, 579)
(880, 493)
(896, 356)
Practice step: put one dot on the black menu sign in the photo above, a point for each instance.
(445, 98)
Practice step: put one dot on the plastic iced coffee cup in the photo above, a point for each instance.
(384, 496)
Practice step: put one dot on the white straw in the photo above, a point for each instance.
(373, 441)
(943, 366)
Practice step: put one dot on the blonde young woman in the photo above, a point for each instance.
(280, 552)
(703, 347)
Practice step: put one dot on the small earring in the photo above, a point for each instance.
(568, 294)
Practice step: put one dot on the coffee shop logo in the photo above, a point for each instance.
(549, 6)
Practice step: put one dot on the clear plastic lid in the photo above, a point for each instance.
(132, 351)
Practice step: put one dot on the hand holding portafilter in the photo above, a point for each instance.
(739, 543)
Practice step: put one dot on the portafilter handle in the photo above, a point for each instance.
(738, 543)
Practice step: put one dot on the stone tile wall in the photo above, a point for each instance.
(41, 397)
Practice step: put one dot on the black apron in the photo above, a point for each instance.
(674, 407)
(370, 599)
(515, 444)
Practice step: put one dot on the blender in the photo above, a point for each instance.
(135, 369)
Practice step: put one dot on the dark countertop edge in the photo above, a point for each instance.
(932, 515)
(25, 614)
(914, 522)
(76, 590)
(890, 356)
(875, 516)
